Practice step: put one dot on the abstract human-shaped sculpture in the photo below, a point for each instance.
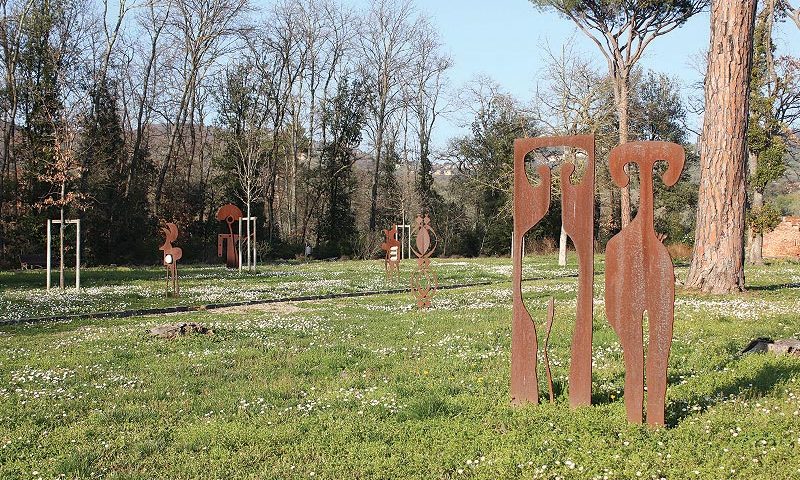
(170, 257)
(640, 277)
(392, 248)
(424, 282)
(577, 206)
(230, 214)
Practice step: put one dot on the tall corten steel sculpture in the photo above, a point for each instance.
(424, 282)
(230, 214)
(392, 248)
(530, 206)
(171, 257)
(640, 277)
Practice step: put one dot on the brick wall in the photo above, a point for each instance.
(784, 241)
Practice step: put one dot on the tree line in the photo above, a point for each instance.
(318, 118)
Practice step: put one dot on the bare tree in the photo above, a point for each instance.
(243, 117)
(428, 79)
(575, 100)
(205, 31)
(14, 15)
(152, 20)
(386, 51)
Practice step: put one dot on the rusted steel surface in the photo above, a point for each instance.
(577, 213)
(392, 248)
(640, 277)
(230, 214)
(424, 282)
(171, 256)
(530, 205)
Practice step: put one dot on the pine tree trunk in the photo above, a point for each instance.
(61, 242)
(622, 116)
(718, 260)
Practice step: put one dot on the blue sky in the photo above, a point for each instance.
(503, 39)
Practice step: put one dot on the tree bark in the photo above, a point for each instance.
(562, 247)
(623, 88)
(718, 260)
(61, 240)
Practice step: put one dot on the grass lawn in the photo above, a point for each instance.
(370, 388)
(22, 293)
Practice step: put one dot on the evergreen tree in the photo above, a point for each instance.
(116, 226)
(486, 158)
(766, 148)
(344, 117)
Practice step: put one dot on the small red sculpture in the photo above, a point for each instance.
(424, 282)
(392, 248)
(640, 277)
(171, 257)
(230, 214)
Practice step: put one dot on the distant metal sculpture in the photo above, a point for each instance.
(424, 282)
(171, 257)
(229, 214)
(577, 206)
(640, 277)
(392, 248)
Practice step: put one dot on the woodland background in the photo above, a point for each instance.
(317, 117)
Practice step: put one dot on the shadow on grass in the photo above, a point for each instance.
(772, 288)
(759, 385)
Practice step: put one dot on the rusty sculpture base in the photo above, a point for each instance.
(640, 277)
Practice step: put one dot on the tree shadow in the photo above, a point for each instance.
(758, 385)
(772, 288)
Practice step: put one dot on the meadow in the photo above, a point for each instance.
(369, 387)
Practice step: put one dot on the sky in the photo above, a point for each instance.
(503, 40)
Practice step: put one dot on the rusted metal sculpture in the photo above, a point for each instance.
(392, 248)
(640, 277)
(530, 206)
(424, 282)
(230, 214)
(171, 257)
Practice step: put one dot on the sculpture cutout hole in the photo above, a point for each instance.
(634, 173)
(555, 158)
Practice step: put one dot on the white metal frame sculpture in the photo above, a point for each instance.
(77, 223)
(405, 245)
(248, 242)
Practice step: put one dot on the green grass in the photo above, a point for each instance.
(122, 288)
(370, 388)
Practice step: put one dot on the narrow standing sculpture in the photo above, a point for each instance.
(423, 280)
(392, 248)
(640, 277)
(230, 214)
(530, 206)
(171, 257)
